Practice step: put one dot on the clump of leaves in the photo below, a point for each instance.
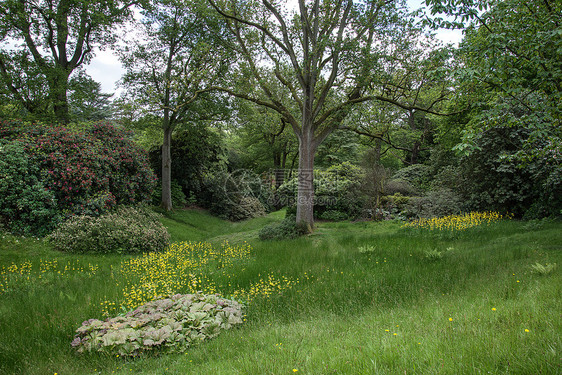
(367, 249)
(434, 254)
(167, 325)
(539, 269)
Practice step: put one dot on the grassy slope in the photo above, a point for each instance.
(337, 320)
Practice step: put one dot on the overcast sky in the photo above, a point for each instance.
(106, 68)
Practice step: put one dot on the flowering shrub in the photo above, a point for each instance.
(87, 171)
(172, 325)
(127, 230)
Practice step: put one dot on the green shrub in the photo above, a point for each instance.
(196, 151)
(418, 175)
(286, 229)
(334, 215)
(251, 207)
(27, 207)
(436, 203)
(127, 230)
(337, 189)
(399, 186)
(168, 325)
(497, 182)
(397, 201)
(179, 199)
(86, 171)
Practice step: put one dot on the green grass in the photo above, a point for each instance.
(335, 320)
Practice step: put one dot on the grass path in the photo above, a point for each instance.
(478, 308)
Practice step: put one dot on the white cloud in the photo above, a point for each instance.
(106, 69)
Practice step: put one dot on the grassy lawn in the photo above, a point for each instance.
(353, 298)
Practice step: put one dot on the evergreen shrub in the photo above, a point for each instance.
(286, 229)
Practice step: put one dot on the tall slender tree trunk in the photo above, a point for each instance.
(414, 155)
(377, 152)
(305, 193)
(167, 168)
(59, 88)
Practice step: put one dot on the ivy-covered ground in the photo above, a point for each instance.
(352, 298)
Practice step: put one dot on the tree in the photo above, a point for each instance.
(174, 58)
(422, 80)
(53, 38)
(512, 66)
(512, 72)
(86, 102)
(265, 139)
(24, 89)
(323, 56)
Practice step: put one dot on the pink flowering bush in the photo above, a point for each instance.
(87, 172)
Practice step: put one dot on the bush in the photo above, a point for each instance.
(196, 151)
(286, 229)
(496, 181)
(399, 186)
(87, 171)
(250, 207)
(27, 207)
(334, 215)
(418, 175)
(127, 230)
(436, 203)
(179, 199)
(168, 325)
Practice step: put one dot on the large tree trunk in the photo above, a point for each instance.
(305, 193)
(414, 156)
(59, 88)
(167, 169)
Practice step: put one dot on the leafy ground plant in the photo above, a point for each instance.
(169, 325)
(539, 269)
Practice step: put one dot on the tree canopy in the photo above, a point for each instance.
(50, 39)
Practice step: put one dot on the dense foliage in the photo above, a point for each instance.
(337, 192)
(285, 230)
(126, 230)
(196, 150)
(76, 172)
(26, 206)
(167, 325)
(44, 42)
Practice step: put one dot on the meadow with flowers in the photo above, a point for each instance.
(354, 297)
